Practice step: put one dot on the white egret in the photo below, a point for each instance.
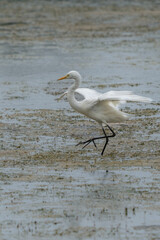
(101, 107)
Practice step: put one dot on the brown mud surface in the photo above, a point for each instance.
(50, 188)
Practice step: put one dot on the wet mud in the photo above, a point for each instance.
(51, 188)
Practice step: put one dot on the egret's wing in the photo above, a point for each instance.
(59, 98)
(117, 97)
(88, 94)
(123, 96)
(107, 105)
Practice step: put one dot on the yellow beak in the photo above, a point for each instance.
(62, 78)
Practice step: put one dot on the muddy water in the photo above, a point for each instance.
(51, 189)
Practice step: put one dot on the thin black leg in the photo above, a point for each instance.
(86, 143)
(105, 142)
(113, 133)
(89, 141)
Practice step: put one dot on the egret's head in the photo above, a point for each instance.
(71, 75)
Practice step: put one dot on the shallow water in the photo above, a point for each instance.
(29, 83)
(116, 204)
(51, 189)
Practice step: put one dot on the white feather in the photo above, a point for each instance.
(102, 107)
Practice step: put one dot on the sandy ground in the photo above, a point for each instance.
(51, 189)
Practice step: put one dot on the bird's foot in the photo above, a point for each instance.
(87, 143)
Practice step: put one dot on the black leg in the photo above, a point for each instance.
(105, 142)
(89, 141)
(86, 143)
(113, 133)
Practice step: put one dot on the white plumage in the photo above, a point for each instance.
(101, 107)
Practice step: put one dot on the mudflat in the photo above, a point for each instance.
(50, 188)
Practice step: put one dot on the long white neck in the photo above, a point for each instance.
(70, 95)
